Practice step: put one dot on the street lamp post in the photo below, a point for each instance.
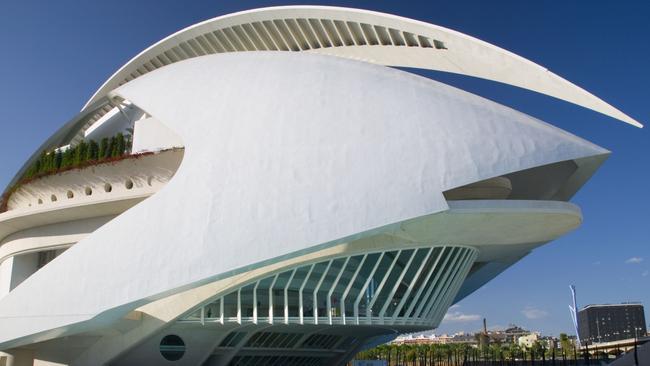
(636, 337)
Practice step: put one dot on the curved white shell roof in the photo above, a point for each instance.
(359, 34)
(308, 167)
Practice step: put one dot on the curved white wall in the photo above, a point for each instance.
(284, 153)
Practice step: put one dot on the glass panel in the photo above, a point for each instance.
(294, 288)
(263, 297)
(213, 310)
(364, 272)
(435, 276)
(419, 281)
(444, 274)
(247, 301)
(278, 293)
(308, 291)
(230, 305)
(406, 281)
(343, 283)
(327, 284)
(391, 281)
(454, 272)
(381, 271)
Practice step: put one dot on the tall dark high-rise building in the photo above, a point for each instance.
(611, 322)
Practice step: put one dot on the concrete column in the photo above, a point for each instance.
(6, 268)
(20, 357)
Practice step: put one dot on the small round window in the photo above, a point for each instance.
(108, 187)
(128, 184)
(172, 347)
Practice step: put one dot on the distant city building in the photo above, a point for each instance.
(528, 340)
(607, 323)
(513, 333)
(436, 339)
(550, 342)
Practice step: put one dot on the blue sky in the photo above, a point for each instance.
(56, 54)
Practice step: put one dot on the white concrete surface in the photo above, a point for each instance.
(151, 135)
(322, 150)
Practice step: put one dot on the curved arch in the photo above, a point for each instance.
(358, 34)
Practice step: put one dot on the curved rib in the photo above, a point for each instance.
(359, 34)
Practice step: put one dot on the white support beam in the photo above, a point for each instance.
(320, 282)
(331, 291)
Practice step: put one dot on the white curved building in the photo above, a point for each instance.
(281, 208)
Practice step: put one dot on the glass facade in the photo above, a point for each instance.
(409, 286)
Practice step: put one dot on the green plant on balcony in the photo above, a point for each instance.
(85, 153)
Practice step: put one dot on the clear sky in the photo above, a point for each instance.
(55, 54)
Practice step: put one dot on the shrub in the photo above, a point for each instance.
(93, 151)
(78, 156)
(103, 146)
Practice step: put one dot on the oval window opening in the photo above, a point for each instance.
(129, 184)
(53, 198)
(70, 194)
(108, 187)
(89, 191)
(172, 347)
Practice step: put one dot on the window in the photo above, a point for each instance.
(46, 257)
(172, 347)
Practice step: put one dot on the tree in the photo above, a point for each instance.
(80, 153)
(37, 167)
(112, 147)
(104, 151)
(118, 146)
(514, 351)
(58, 157)
(48, 163)
(565, 344)
(93, 150)
(66, 159)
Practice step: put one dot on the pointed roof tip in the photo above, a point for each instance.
(627, 119)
